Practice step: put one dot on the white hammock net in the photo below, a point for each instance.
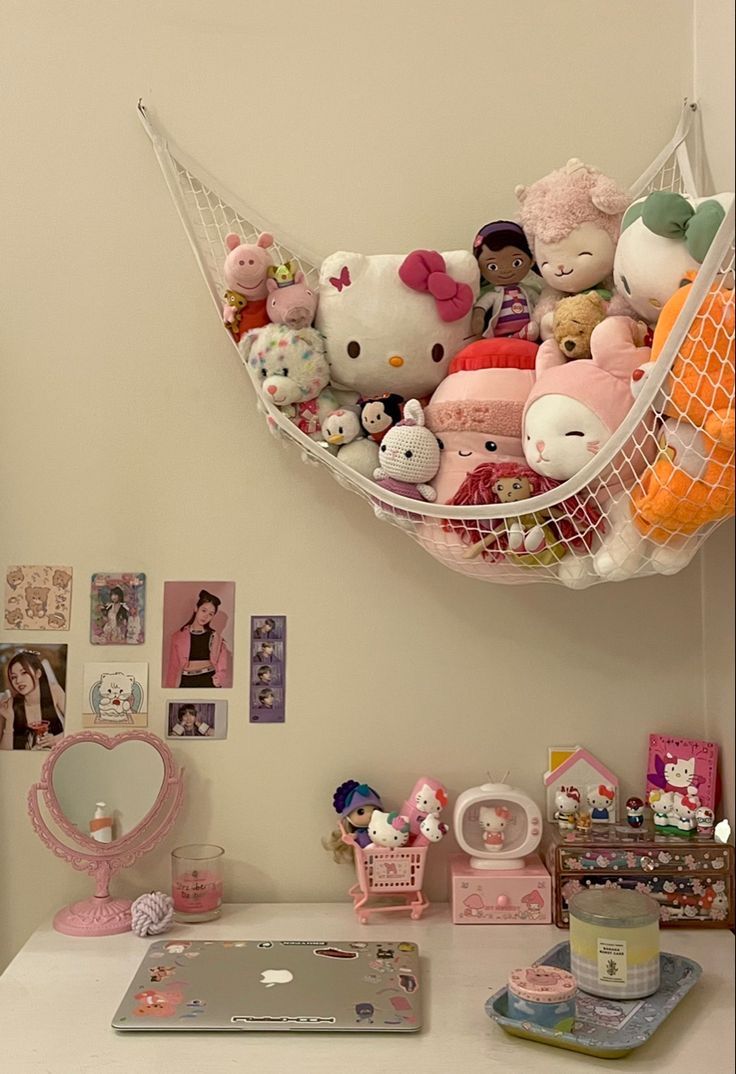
(637, 508)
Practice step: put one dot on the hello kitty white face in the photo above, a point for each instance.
(580, 261)
(680, 772)
(490, 820)
(561, 436)
(426, 800)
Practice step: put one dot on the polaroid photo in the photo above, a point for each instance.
(196, 719)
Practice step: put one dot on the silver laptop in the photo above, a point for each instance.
(275, 985)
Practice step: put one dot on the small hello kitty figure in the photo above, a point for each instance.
(705, 822)
(409, 457)
(388, 829)
(427, 799)
(493, 820)
(600, 799)
(567, 805)
(684, 812)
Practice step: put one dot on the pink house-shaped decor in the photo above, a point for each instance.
(584, 771)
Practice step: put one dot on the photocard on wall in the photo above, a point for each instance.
(115, 695)
(266, 674)
(267, 652)
(32, 696)
(118, 608)
(196, 719)
(268, 626)
(198, 635)
(267, 704)
(38, 598)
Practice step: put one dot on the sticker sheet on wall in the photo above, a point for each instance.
(198, 635)
(118, 609)
(196, 719)
(115, 695)
(32, 696)
(268, 669)
(38, 598)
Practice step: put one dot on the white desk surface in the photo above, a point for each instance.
(59, 994)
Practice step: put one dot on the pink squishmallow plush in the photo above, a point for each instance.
(572, 219)
(475, 413)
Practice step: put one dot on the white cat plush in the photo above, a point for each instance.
(393, 322)
(116, 692)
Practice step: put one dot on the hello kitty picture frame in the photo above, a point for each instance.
(677, 764)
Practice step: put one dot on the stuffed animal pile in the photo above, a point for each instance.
(494, 374)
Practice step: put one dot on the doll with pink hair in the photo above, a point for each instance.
(572, 218)
(534, 539)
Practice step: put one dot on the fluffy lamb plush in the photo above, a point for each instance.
(292, 372)
(573, 323)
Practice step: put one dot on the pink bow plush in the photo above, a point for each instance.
(425, 270)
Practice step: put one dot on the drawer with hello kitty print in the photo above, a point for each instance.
(692, 879)
(500, 896)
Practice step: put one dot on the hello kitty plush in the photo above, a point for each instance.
(116, 694)
(493, 820)
(409, 457)
(393, 322)
(388, 829)
(573, 410)
(572, 219)
(292, 373)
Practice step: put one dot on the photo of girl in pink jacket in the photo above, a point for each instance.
(197, 654)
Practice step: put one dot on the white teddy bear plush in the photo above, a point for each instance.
(292, 373)
(393, 322)
(388, 829)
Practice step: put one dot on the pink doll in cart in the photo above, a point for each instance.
(355, 804)
(426, 801)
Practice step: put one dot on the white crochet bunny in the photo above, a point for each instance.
(409, 456)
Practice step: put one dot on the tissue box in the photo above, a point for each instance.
(500, 896)
(690, 877)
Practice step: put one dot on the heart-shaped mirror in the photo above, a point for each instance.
(126, 778)
(116, 797)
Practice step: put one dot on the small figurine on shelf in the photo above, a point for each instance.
(354, 804)
(684, 809)
(705, 822)
(635, 812)
(493, 820)
(583, 823)
(600, 799)
(431, 830)
(505, 306)
(567, 805)
(426, 801)
(388, 829)
(660, 802)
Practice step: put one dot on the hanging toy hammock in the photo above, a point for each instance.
(644, 503)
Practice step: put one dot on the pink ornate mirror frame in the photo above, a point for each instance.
(103, 915)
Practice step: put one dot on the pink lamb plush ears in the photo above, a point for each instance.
(577, 194)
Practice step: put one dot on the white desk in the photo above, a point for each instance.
(58, 995)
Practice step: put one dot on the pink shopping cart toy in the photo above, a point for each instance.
(390, 848)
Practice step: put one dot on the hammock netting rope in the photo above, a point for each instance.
(596, 526)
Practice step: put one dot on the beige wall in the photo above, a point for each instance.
(130, 439)
(714, 87)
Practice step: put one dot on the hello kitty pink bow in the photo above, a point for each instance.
(425, 270)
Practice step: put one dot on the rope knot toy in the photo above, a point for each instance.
(151, 913)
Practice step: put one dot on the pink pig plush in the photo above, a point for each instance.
(245, 272)
(292, 303)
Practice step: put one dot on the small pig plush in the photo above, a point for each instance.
(388, 829)
(291, 301)
(245, 272)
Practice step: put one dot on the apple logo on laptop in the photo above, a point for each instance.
(269, 978)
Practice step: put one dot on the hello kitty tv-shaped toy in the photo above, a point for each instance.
(497, 825)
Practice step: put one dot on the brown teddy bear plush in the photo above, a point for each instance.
(574, 320)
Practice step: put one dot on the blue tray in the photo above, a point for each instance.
(605, 1028)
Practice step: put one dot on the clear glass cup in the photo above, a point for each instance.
(196, 881)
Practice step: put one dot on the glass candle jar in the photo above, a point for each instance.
(196, 879)
(544, 995)
(614, 942)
